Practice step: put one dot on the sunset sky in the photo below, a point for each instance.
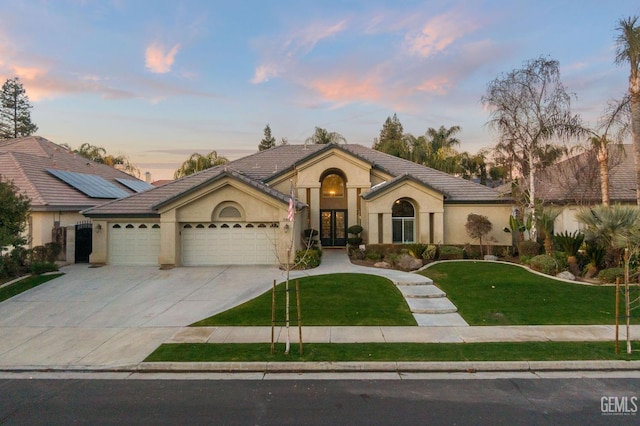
(159, 80)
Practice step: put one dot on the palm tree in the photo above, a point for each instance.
(440, 152)
(198, 162)
(324, 137)
(99, 155)
(604, 223)
(628, 50)
(615, 117)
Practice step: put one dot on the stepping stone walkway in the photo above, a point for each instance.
(429, 305)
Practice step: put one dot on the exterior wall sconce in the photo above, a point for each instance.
(286, 227)
(98, 228)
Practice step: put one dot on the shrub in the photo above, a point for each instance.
(528, 248)
(39, 268)
(544, 263)
(355, 229)
(569, 242)
(354, 241)
(307, 259)
(451, 253)
(525, 259)
(610, 275)
(416, 250)
(37, 254)
(471, 252)
(431, 252)
(561, 260)
(373, 255)
(53, 249)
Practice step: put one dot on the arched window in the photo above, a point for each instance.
(332, 186)
(230, 212)
(200, 226)
(156, 226)
(403, 221)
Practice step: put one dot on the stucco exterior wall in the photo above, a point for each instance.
(41, 225)
(455, 218)
(425, 202)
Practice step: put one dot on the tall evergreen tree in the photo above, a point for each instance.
(268, 141)
(392, 139)
(15, 117)
(324, 137)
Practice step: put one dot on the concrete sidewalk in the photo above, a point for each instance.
(466, 334)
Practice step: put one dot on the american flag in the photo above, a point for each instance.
(292, 210)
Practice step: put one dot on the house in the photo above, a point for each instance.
(238, 213)
(60, 184)
(574, 183)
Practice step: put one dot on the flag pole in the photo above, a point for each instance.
(291, 216)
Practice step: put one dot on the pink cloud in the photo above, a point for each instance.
(439, 33)
(347, 89)
(158, 60)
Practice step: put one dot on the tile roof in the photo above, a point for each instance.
(577, 179)
(259, 168)
(25, 161)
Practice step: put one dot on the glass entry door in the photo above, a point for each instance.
(333, 228)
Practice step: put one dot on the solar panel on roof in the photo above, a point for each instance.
(135, 185)
(93, 186)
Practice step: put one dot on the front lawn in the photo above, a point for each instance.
(28, 283)
(334, 299)
(315, 352)
(488, 293)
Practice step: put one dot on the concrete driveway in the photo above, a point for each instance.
(114, 315)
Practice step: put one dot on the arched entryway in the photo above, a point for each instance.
(403, 221)
(333, 208)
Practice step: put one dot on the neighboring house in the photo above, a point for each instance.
(574, 183)
(60, 184)
(238, 213)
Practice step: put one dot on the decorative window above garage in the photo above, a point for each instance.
(230, 212)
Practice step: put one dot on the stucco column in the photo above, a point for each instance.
(372, 228)
(352, 205)
(387, 228)
(100, 237)
(422, 233)
(438, 228)
(315, 208)
(170, 241)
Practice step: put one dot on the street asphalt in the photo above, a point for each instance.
(111, 318)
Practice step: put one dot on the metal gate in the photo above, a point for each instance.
(84, 240)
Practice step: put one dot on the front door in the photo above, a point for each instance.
(333, 228)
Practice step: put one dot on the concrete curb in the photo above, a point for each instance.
(340, 367)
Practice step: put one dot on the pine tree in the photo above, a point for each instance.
(15, 117)
(268, 141)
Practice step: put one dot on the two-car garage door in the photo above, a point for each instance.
(202, 244)
(228, 244)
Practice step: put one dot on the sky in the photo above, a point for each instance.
(160, 80)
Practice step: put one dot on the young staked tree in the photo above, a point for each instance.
(530, 108)
(198, 162)
(14, 210)
(628, 51)
(15, 117)
(478, 226)
(268, 141)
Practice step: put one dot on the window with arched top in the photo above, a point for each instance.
(129, 226)
(237, 225)
(156, 226)
(333, 186)
(200, 226)
(116, 226)
(212, 226)
(403, 217)
(224, 225)
(230, 212)
(143, 226)
(187, 226)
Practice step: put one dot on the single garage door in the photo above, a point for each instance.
(134, 243)
(228, 244)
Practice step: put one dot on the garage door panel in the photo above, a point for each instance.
(227, 245)
(134, 244)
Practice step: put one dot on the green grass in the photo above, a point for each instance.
(24, 285)
(487, 293)
(527, 351)
(334, 299)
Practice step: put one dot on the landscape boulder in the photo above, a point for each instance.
(409, 263)
(566, 275)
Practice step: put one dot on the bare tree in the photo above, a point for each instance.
(530, 109)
